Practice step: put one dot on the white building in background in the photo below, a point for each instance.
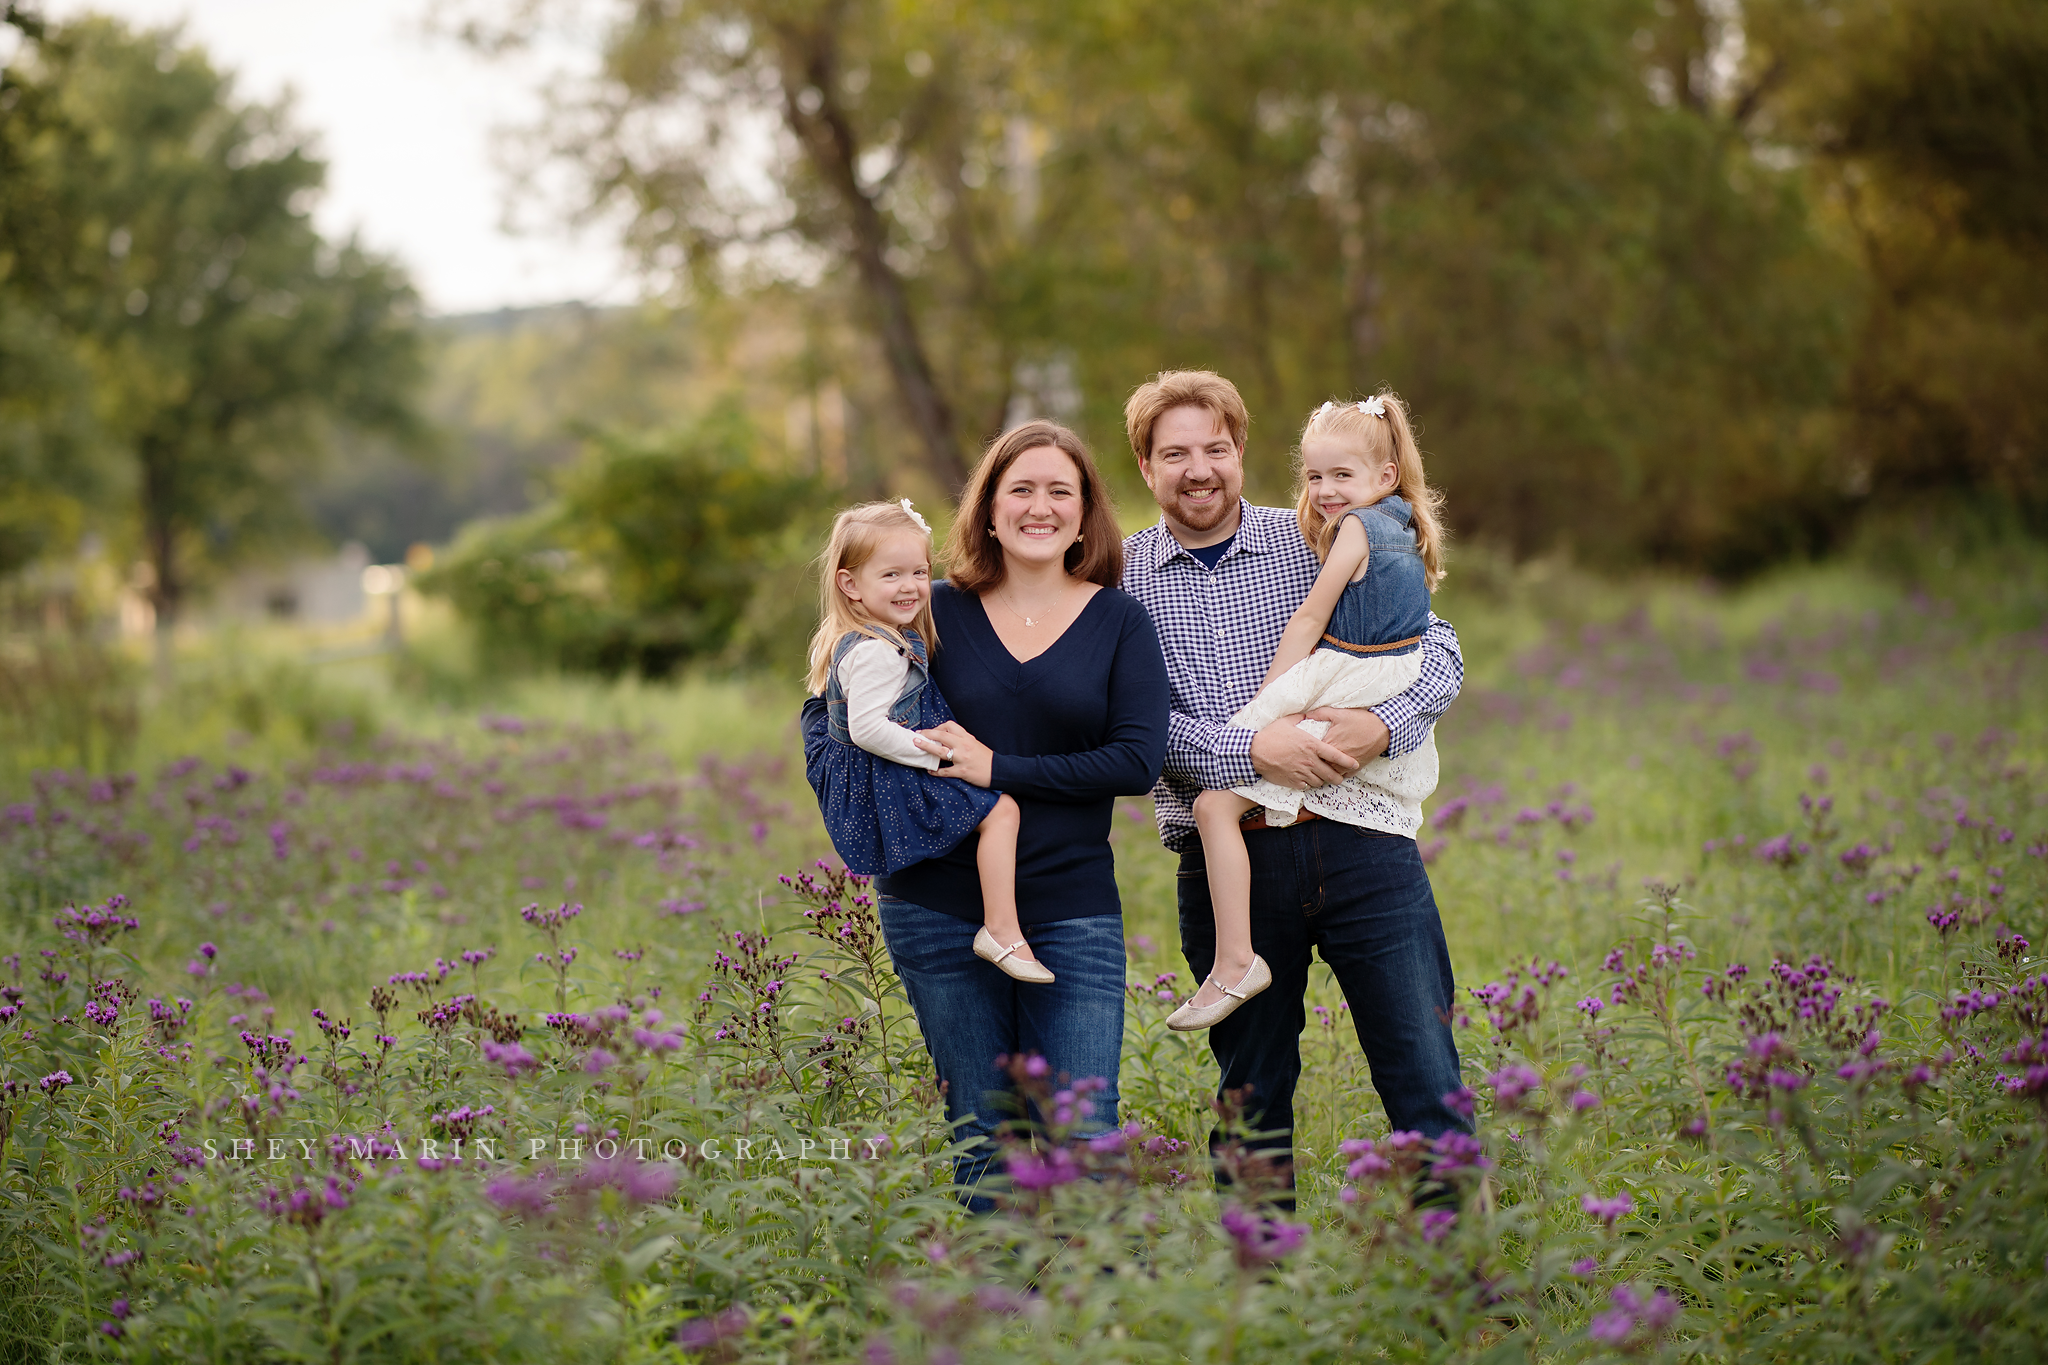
(321, 592)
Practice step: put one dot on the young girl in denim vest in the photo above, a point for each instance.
(1356, 641)
(883, 804)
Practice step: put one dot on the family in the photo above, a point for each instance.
(1272, 676)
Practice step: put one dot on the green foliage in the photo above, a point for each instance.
(52, 463)
(156, 236)
(1667, 282)
(1694, 283)
(65, 700)
(1936, 121)
(646, 560)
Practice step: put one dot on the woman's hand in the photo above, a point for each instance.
(973, 762)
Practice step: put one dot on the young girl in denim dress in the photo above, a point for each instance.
(883, 803)
(1356, 641)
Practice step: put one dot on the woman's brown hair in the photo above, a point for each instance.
(974, 559)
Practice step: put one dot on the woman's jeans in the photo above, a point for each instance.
(1362, 900)
(971, 1013)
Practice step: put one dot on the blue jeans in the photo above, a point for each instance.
(1362, 900)
(971, 1013)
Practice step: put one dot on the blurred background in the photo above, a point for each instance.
(445, 345)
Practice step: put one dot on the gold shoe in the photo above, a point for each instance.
(1006, 960)
(1188, 1017)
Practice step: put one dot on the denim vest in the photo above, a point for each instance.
(1390, 605)
(905, 710)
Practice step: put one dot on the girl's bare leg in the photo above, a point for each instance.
(1230, 888)
(995, 858)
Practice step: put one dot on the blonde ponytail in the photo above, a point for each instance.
(1379, 426)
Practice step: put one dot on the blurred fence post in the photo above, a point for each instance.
(388, 581)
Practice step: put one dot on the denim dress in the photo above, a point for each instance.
(1371, 652)
(1384, 613)
(883, 815)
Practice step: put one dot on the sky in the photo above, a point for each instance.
(405, 121)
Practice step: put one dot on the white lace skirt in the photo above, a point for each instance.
(1387, 793)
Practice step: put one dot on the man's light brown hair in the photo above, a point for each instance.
(1171, 389)
(974, 558)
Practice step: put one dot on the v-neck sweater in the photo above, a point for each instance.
(1072, 729)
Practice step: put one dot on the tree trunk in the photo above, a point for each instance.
(167, 588)
(828, 139)
(1362, 312)
(1358, 215)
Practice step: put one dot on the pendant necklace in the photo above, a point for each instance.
(1027, 620)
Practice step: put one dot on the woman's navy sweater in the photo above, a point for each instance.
(1072, 730)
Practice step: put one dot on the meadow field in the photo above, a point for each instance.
(352, 1020)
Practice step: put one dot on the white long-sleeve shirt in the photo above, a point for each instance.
(872, 676)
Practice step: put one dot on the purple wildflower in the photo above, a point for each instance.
(513, 1057)
(1030, 1171)
(1455, 1151)
(1366, 1161)
(1607, 1210)
(519, 1194)
(1636, 1319)
(641, 1182)
(701, 1334)
(1512, 1083)
(1260, 1240)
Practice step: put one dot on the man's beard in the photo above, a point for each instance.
(1196, 517)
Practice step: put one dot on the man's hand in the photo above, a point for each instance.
(1359, 733)
(1290, 756)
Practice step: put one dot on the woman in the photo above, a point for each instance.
(1058, 688)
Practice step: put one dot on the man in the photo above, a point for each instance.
(1220, 577)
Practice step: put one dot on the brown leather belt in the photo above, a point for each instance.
(1257, 820)
(1350, 648)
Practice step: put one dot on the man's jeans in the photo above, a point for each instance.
(971, 1013)
(1362, 900)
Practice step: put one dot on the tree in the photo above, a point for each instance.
(749, 139)
(1597, 242)
(223, 337)
(1620, 328)
(1929, 137)
(53, 462)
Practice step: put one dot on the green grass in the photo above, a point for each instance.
(1611, 736)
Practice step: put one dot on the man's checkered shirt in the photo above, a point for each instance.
(1219, 628)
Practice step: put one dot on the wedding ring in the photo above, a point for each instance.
(949, 753)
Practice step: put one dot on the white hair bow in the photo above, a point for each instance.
(912, 513)
(1371, 407)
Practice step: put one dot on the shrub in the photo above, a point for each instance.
(647, 558)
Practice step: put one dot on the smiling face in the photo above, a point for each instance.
(895, 582)
(1037, 507)
(1339, 476)
(1196, 474)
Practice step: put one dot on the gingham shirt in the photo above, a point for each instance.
(1220, 627)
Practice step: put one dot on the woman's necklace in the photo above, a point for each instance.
(1044, 614)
